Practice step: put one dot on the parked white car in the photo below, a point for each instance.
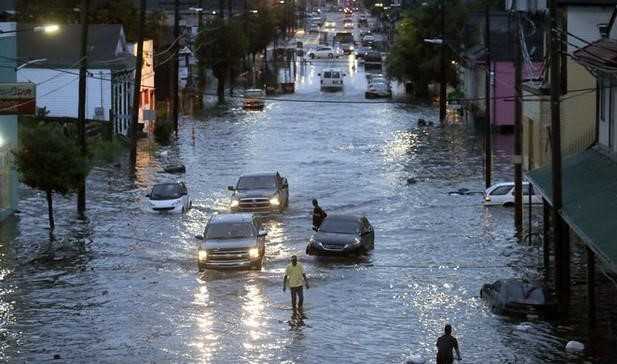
(324, 52)
(331, 79)
(231, 241)
(173, 197)
(502, 194)
(378, 88)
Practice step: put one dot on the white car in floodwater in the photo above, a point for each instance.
(502, 194)
(173, 197)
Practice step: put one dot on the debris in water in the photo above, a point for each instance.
(175, 168)
(415, 359)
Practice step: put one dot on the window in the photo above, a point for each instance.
(501, 190)
(528, 189)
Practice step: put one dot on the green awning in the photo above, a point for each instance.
(589, 199)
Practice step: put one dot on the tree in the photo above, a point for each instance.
(413, 59)
(222, 50)
(50, 161)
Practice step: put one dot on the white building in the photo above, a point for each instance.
(53, 64)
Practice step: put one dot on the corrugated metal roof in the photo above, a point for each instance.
(589, 199)
(600, 56)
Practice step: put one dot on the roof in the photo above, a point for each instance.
(107, 47)
(268, 174)
(344, 217)
(231, 218)
(599, 56)
(589, 199)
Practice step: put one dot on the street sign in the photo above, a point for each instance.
(17, 98)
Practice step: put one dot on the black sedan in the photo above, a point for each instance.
(342, 235)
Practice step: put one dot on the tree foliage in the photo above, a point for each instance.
(50, 161)
(123, 12)
(412, 59)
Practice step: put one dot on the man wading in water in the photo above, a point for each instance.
(295, 278)
(445, 344)
(319, 215)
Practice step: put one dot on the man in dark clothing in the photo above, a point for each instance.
(445, 344)
(319, 215)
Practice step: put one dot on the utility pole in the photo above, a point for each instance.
(81, 107)
(560, 236)
(518, 114)
(201, 67)
(488, 139)
(137, 87)
(444, 78)
(175, 64)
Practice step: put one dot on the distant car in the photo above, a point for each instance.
(373, 60)
(313, 28)
(330, 24)
(517, 298)
(347, 48)
(378, 89)
(368, 39)
(173, 197)
(265, 192)
(348, 25)
(254, 99)
(502, 194)
(231, 241)
(359, 53)
(324, 52)
(331, 79)
(342, 235)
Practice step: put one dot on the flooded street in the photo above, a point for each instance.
(135, 295)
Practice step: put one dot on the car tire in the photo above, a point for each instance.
(330, 55)
(312, 56)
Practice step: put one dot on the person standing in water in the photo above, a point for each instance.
(295, 279)
(445, 345)
(319, 215)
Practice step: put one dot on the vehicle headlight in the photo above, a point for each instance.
(235, 203)
(274, 201)
(254, 253)
(487, 198)
(351, 48)
(202, 255)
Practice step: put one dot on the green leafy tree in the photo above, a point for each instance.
(222, 50)
(412, 59)
(50, 161)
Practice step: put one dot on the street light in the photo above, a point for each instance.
(254, 11)
(196, 9)
(433, 40)
(49, 29)
(31, 62)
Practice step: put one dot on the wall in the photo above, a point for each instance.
(8, 128)
(58, 90)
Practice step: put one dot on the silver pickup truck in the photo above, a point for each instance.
(231, 241)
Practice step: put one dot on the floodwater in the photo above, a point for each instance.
(134, 294)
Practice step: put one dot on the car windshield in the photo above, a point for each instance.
(327, 74)
(256, 183)
(336, 75)
(166, 191)
(339, 226)
(229, 231)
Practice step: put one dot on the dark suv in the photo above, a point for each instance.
(265, 192)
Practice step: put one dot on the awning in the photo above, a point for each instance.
(589, 199)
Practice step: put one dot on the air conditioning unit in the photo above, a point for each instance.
(527, 6)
